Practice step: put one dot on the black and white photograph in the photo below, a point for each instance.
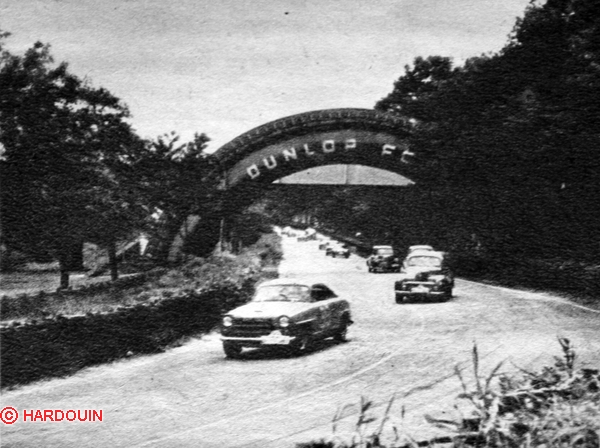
(300, 223)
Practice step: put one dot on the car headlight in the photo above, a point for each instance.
(284, 321)
(227, 321)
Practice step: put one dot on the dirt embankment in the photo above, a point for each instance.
(181, 303)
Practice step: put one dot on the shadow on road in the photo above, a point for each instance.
(277, 353)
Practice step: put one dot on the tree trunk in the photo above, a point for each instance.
(64, 274)
(70, 258)
(113, 262)
(76, 257)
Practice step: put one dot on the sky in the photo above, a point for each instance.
(223, 67)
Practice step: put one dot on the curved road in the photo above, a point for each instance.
(192, 396)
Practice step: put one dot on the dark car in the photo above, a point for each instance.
(337, 250)
(383, 259)
(425, 275)
(324, 244)
(286, 313)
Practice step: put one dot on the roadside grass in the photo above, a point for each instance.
(576, 280)
(30, 278)
(556, 407)
(58, 337)
(196, 275)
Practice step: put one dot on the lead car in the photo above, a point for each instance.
(286, 313)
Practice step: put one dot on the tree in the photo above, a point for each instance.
(62, 140)
(175, 179)
(413, 91)
(517, 130)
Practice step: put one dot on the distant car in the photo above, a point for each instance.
(419, 247)
(425, 275)
(383, 259)
(323, 244)
(329, 247)
(290, 231)
(307, 235)
(302, 236)
(311, 234)
(338, 250)
(286, 313)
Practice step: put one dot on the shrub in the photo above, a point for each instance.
(181, 303)
(558, 407)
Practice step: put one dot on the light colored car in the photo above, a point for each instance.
(286, 313)
(425, 275)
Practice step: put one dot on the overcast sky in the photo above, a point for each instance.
(223, 67)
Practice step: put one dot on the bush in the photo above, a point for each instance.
(181, 303)
(558, 407)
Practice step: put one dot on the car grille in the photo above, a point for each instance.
(250, 327)
(411, 284)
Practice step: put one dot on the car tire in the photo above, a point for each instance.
(341, 335)
(232, 351)
(302, 345)
(401, 299)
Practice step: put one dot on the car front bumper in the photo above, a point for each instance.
(419, 295)
(259, 341)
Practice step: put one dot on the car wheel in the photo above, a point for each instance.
(341, 334)
(302, 344)
(232, 351)
(401, 299)
(370, 269)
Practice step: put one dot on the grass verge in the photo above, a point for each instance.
(183, 302)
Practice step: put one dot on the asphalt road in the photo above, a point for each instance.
(192, 396)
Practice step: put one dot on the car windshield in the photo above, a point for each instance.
(384, 252)
(424, 261)
(282, 293)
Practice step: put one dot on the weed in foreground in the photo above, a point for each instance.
(557, 407)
